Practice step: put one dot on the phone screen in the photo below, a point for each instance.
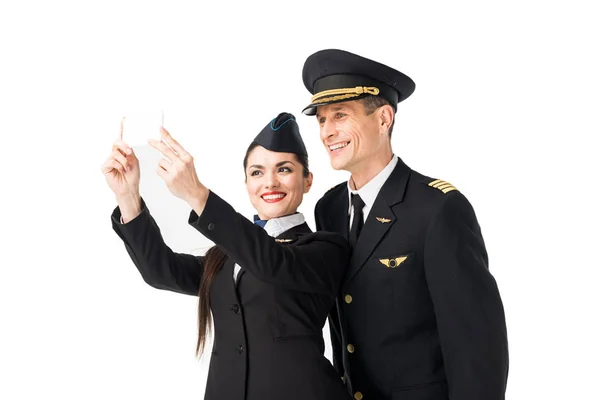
(141, 125)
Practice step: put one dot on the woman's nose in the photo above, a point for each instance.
(272, 180)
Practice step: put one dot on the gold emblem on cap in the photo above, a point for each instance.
(343, 93)
(283, 240)
(393, 262)
(444, 186)
(383, 220)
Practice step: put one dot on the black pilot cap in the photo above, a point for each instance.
(333, 76)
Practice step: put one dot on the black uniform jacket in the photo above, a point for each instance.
(268, 330)
(419, 315)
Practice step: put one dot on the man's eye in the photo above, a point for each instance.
(340, 115)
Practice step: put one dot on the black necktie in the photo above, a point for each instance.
(357, 219)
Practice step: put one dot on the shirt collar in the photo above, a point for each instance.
(276, 226)
(369, 192)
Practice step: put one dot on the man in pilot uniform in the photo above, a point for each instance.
(419, 315)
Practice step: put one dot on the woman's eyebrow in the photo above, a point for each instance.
(279, 164)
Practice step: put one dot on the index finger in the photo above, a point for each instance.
(121, 134)
(172, 142)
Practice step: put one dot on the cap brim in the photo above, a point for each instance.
(311, 109)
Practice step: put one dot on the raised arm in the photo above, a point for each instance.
(315, 263)
(159, 266)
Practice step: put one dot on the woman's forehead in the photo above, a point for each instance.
(265, 158)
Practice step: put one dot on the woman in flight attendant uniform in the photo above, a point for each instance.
(269, 284)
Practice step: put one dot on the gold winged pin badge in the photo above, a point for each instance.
(383, 220)
(393, 262)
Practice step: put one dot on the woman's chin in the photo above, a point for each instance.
(273, 211)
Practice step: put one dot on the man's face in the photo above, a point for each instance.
(351, 137)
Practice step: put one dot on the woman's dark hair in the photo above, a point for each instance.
(213, 262)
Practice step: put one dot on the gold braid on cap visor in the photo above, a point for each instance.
(342, 94)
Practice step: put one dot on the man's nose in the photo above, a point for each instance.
(328, 129)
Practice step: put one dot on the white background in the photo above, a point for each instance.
(506, 108)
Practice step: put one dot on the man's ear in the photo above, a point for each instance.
(386, 117)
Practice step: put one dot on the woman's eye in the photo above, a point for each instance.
(254, 173)
(284, 169)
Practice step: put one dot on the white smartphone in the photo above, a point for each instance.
(141, 125)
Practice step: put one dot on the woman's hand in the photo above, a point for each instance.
(122, 170)
(178, 172)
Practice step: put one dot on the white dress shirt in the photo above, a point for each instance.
(369, 192)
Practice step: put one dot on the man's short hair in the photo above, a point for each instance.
(372, 103)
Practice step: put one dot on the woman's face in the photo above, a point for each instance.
(275, 183)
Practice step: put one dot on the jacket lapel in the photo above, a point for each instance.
(228, 268)
(380, 218)
(239, 277)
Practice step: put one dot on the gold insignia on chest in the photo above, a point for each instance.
(393, 262)
(383, 220)
(283, 240)
(444, 186)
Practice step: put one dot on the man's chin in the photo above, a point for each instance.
(337, 165)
